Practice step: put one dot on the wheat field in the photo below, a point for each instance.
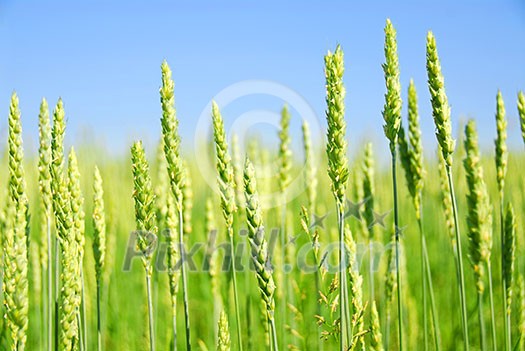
(331, 251)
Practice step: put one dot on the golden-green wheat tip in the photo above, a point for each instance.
(335, 116)
(479, 216)
(439, 101)
(392, 107)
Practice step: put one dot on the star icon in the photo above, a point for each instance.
(379, 218)
(354, 209)
(318, 221)
(400, 231)
(292, 239)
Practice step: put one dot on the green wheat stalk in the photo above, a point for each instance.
(145, 217)
(441, 115)
(509, 247)
(68, 302)
(411, 155)
(226, 183)
(392, 117)
(171, 139)
(376, 338)
(46, 207)
(501, 158)
(479, 218)
(338, 166)
(77, 210)
(259, 248)
(99, 245)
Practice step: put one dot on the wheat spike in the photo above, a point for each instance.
(170, 135)
(521, 112)
(479, 217)
(144, 203)
(285, 153)
(376, 338)
(500, 143)
(224, 169)
(15, 241)
(69, 302)
(258, 244)
(223, 343)
(99, 225)
(392, 108)
(440, 106)
(335, 116)
(44, 178)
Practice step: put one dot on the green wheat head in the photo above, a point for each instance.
(77, 201)
(170, 135)
(500, 143)
(224, 168)
(99, 225)
(285, 153)
(392, 108)
(223, 340)
(44, 177)
(521, 112)
(259, 250)
(479, 216)
(439, 100)
(15, 241)
(335, 116)
(144, 203)
(376, 338)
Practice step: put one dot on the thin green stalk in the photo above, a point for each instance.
(398, 275)
(435, 321)
(235, 294)
(423, 286)
(150, 314)
(428, 275)
(492, 315)
(99, 321)
(464, 316)
(184, 282)
(482, 337)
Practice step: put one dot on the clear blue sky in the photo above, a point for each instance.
(103, 59)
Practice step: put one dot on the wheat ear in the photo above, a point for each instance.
(15, 286)
(442, 122)
(521, 112)
(77, 211)
(479, 217)
(67, 333)
(338, 167)
(223, 339)
(145, 218)
(44, 185)
(259, 249)
(392, 117)
(171, 140)
(310, 173)
(376, 338)
(226, 188)
(99, 245)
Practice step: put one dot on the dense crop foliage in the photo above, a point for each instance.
(104, 253)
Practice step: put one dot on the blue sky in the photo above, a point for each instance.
(103, 59)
